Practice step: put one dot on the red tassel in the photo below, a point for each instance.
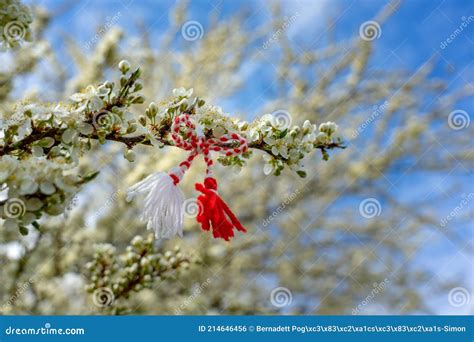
(214, 212)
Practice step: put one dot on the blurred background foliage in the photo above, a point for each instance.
(307, 235)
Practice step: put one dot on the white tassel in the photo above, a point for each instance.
(162, 204)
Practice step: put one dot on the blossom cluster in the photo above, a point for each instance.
(113, 278)
(284, 145)
(35, 185)
(289, 145)
(15, 21)
(41, 143)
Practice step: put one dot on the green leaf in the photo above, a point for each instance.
(46, 142)
(183, 107)
(24, 231)
(136, 74)
(301, 173)
(90, 176)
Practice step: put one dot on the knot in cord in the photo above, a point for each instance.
(188, 137)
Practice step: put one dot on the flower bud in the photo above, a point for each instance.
(153, 108)
(142, 120)
(124, 66)
(129, 155)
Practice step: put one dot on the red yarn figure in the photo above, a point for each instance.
(214, 212)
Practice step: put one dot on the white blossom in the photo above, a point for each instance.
(269, 166)
(183, 92)
(90, 98)
(328, 127)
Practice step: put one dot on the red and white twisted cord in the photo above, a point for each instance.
(198, 143)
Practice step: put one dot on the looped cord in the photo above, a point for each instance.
(200, 144)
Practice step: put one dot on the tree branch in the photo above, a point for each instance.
(130, 142)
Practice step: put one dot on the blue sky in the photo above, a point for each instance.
(408, 39)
